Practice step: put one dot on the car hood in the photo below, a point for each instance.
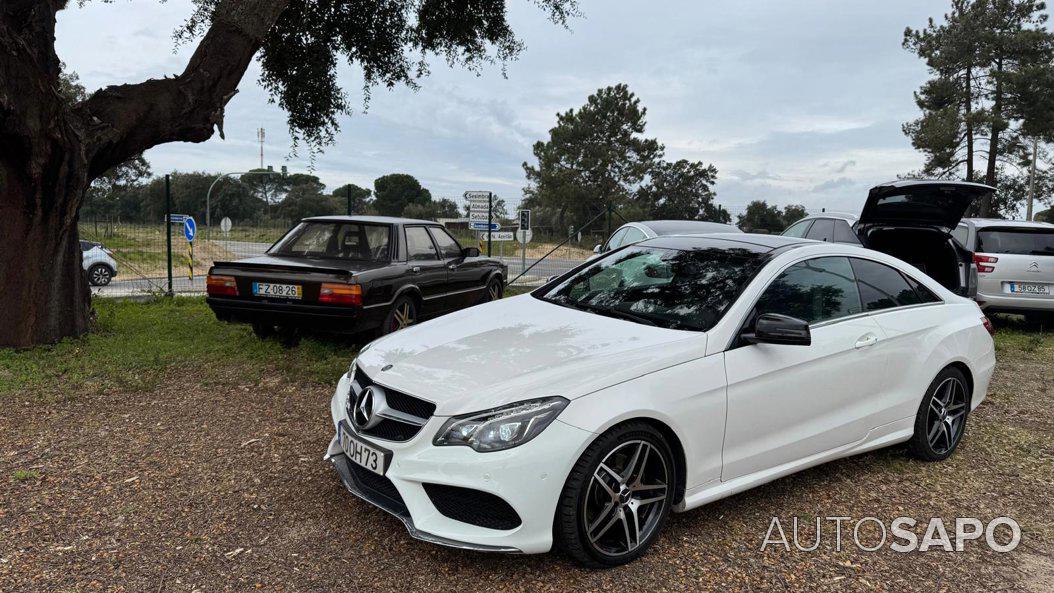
(520, 348)
(940, 204)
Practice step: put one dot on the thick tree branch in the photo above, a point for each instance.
(125, 120)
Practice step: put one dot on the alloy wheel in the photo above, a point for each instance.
(100, 276)
(403, 316)
(947, 414)
(626, 498)
(494, 291)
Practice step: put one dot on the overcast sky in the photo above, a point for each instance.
(794, 102)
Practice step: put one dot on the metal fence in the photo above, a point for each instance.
(141, 255)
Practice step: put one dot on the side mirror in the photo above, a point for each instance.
(597, 249)
(470, 252)
(773, 328)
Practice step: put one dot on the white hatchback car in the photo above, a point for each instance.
(1015, 265)
(98, 262)
(663, 376)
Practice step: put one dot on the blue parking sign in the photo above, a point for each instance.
(190, 228)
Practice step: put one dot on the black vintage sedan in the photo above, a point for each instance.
(350, 274)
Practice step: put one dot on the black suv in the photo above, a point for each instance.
(349, 274)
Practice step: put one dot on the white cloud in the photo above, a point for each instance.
(793, 102)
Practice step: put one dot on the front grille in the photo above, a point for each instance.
(474, 507)
(391, 429)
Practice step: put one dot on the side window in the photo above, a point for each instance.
(843, 233)
(822, 230)
(418, 244)
(798, 229)
(616, 239)
(961, 234)
(815, 290)
(925, 295)
(448, 247)
(632, 236)
(882, 287)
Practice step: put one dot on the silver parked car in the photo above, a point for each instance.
(1015, 265)
(635, 232)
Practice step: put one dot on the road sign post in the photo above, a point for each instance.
(190, 230)
(524, 235)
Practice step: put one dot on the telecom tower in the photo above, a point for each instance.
(260, 135)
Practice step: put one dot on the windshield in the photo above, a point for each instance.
(671, 288)
(336, 240)
(1019, 241)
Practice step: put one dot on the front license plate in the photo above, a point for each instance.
(283, 291)
(1029, 288)
(362, 454)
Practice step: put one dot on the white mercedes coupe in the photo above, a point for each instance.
(657, 378)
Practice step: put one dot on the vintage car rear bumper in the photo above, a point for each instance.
(318, 317)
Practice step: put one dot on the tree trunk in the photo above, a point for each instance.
(968, 118)
(993, 142)
(50, 151)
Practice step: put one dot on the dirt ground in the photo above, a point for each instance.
(219, 486)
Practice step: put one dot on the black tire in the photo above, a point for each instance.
(494, 291)
(402, 314)
(289, 337)
(941, 419)
(263, 330)
(597, 545)
(100, 275)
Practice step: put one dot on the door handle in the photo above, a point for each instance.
(415, 270)
(452, 267)
(866, 340)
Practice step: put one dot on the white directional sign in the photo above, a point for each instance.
(480, 216)
(500, 236)
(478, 196)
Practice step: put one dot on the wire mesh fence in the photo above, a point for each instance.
(138, 253)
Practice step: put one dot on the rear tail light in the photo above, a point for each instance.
(987, 323)
(341, 294)
(985, 263)
(221, 286)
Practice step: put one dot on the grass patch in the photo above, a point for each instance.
(24, 475)
(136, 345)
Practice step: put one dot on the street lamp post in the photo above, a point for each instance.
(208, 196)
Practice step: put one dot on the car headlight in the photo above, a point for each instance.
(501, 428)
(351, 367)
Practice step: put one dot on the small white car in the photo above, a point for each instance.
(98, 262)
(1015, 265)
(663, 376)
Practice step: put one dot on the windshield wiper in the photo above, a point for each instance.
(611, 312)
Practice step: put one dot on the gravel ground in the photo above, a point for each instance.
(219, 486)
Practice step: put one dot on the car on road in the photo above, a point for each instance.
(98, 263)
(350, 274)
(634, 232)
(660, 377)
(911, 220)
(1015, 265)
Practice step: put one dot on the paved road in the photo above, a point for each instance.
(126, 285)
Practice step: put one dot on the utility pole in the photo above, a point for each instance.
(349, 199)
(260, 135)
(1032, 179)
(490, 219)
(168, 229)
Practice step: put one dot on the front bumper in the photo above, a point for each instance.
(529, 478)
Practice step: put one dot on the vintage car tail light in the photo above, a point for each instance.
(221, 286)
(341, 294)
(984, 262)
